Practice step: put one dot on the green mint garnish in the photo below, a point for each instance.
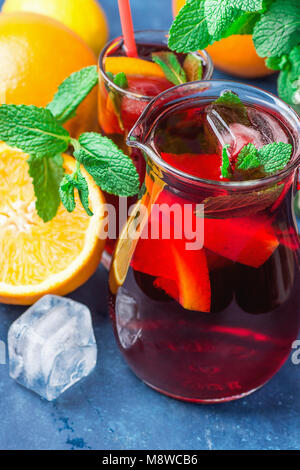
(171, 67)
(233, 109)
(72, 92)
(33, 130)
(240, 204)
(121, 80)
(201, 22)
(67, 191)
(278, 30)
(226, 170)
(253, 162)
(289, 77)
(229, 98)
(111, 169)
(275, 25)
(248, 158)
(244, 24)
(46, 174)
(193, 68)
(38, 132)
(274, 157)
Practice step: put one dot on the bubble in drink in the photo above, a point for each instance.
(52, 346)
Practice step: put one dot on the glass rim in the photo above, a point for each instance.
(203, 53)
(226, 185)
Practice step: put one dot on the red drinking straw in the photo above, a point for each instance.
(127, 28)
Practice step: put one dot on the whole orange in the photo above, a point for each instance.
(235, 55)
(36, 54)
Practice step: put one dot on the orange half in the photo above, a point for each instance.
(38, 258)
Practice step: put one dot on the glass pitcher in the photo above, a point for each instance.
(204, 283)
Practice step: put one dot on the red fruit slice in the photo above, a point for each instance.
(203, 166)
(181, 273)
(247, 240)
(192, 280)
(106, 113)
(250, 241)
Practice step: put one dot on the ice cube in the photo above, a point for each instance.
(127, 319)
(267, 126)
(52, 346)
(238, 126)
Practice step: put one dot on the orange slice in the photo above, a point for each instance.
(38, 258)
(133, 66)
(130, 234)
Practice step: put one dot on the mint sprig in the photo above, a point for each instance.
(275, 25)
(72, 92)
(121, 81)
(226, 170)
(171, 67)
(274, 157)
(193, 67)
(252, 162)
(111, 169)
(67, 191)
(201, 22)
(46, 174)
(39, 132)
(33, 130)
(289, 77)
(229, 98)
(278, 30)
(248, 158)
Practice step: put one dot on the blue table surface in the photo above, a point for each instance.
(112, 409)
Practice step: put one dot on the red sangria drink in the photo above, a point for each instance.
(128, 84)
(204, 282)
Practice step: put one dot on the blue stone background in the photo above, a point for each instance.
(112, 409)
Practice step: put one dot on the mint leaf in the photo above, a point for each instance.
(193, 68)
(277, 63)
(111, 169)
(239, 204)
(248, 158)
(229, 98)
(221, 15)
(46, 174)
(121, 80)
(275, 156)
(230, 108)
(67, 191)
(243, 25)
(83, 190)
(201, 22)
(33, 130)
(189, 31)
(255, 163)
(171, 67)
(115, 97)
(72, 92)
(289, 78)
(278, 30)
(226, 171)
